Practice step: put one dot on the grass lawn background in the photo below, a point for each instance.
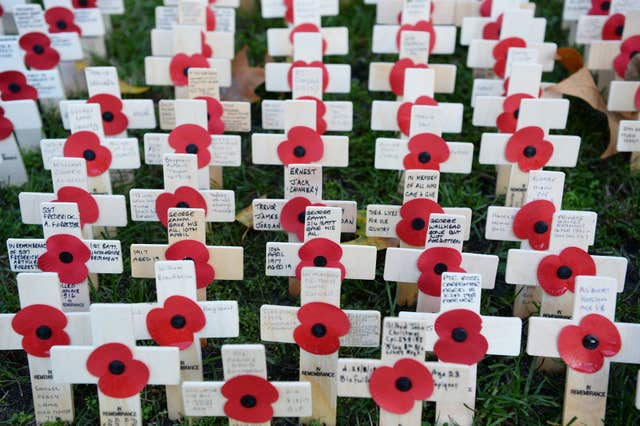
(510, 391)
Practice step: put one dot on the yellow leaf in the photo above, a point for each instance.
(128, 89)
(245, 216)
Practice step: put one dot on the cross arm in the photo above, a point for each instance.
(264, 149)
(220, 205)
(480, 54)
(338, 115)
(382, 219)
(225, 150)
(384, 116)
(125, 153)
(276, 80)
(266, 213)
(444, 81)
(112, 208)
(384, 39)
(390, 154)
(337, 41)
(221, 41)
(565, 149)
(157, 70)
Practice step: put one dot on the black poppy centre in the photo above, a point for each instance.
(440, 268)
(418, 223)
(318, 330)
(83, 3)
(38, 49)
(43, 332)
(191, 148)
(403, 384)
(107, 116)
(424, 157)
(182, 205)
(619, 29)
(178, 321)
(320, 261)
(116, 367)
(248, 401)
(540, 227)
(605, 5)
(530, 151)
(65, 257)
(185, 71)
(590, 342)
(516, 113)
(564, 272)
(89, 154)
(459, 334)
(61, 25)
(14, 87)
(299, 151)
(301, 216)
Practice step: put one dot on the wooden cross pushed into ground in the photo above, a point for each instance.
(86, 21)
(246, 395)
(113, 362)
(285, 9)
(39, 325)
(178, 320)
(13, 171)
(25, 120)
(622, 98)
(588, 344)
(319, 327)
(594, 28)
(460, 335)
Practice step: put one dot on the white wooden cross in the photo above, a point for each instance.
(64, 251)
(605, 55)
(178, 320)
(284, 8)
(588, 343)
(7, 23)
(87, 20)
(593, 28)
(458, 334)
(38, 326)
(25, 120)
(320, 341)
(473, 26)
(12, 169)
(401, 380)
(113, 362)
(622, 98)
(246, 396)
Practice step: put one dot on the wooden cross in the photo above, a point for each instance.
(246, 396)
(113, 362)
(38, 326)
(12, 169)
(281, 9)
(588, 343)
(87, 20)
(591, 28)
(64, 251)
(177, 320)
(401, 380)
(320, 341)
(622, 99)
(450, 335)
(25, 120)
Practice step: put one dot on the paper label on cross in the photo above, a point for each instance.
(277, 73)
(277, 8)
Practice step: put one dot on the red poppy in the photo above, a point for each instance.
(13, 86)
(303, 146)
(404, 112)
(207, 51)
(529, 149)
(432, 263)
(599, 7)
(86, 144)
(507, 121)
(84, 4)
(198, 253)
(292, 215)
(215, 125)
(6, 126)
(61, 20)
(557, 273)
(119, 374)
(533, 223)
(396, 389)
(321, 110)
(396, 76)
(628, 49)
(460, 340)
(314, 64)
(249, 399)
(321, 327)
(39, 54)
(288, 14)
(184, 197)
(320, 252)
(114, 121)
(422, 26)
(583, 347)
(412, 228)
(491, 30)
(192, 139)
(426, 152)
(307, 27)
(176, 322)
(500, 52)
(613, 27)
(41, 327)
(87, 205)
(67, 256)
(485, 8)
(180, 64)
(211, 19)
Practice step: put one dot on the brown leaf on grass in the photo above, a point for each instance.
(245, 216)
(569, 58)
(245, 79)
(378, 242)
(128, 89)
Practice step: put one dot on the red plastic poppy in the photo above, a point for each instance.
(320, 252)
(491, 30)
(175, 323)
(180, 64)
(485, 8)
(119, 374)
(432, 263)
(500, 52)
(292, 215)
(396, 389)
(628, 49)
(207, 51)
(84, 4)
(412, 228)
(211, 19)
(314, 64)
(613, 27)
(67, 256)
(39, 54)
(303, 146)
(557, 273)
(13, 86)
(86, 144)
(599, 7)
(321, 327)
(533, 223)
(249, 399)
(321, 110)
(307, 27)
(426, 152)
(396, 76)
(460, 340)
(404, 112)
(61, 20)
(192, 139)
(184, 197)
(583, 347)
(87, 205)
(422, 26)
(41, 327)
(529, 149)
(114, 121)
(507, 121)
(215, 125)
(198, 253)
(6, 126)
(636, 99)
(288, 13)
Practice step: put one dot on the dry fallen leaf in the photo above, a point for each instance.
(127, 89)
(569, 58)
(245, 79)
(379, 243)
(245, 216)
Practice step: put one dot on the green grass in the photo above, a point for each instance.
(510, 391)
